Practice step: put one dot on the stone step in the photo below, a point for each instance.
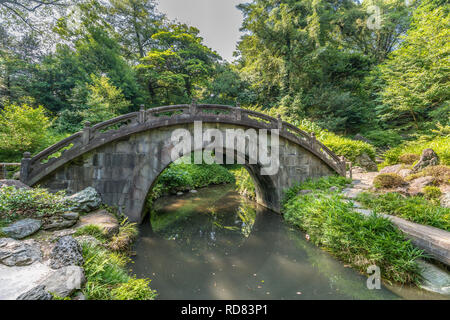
(351, 193)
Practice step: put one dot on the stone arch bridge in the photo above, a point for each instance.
(122, 157)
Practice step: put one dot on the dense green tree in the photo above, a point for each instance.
(22, 128)
(104, 101)
(416, 76)
(134, 23)
(227, 87)
(313, 56)
(324, 61)
(177, 66)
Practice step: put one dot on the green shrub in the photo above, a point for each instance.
(408, 158)
(182, 177)
(22, 128)
(440, 145)
(432, 193)
(388, 180)
(353, 238)
(134, 289)
(382, 138)
(415, 209)
(350, 149)
(342, 146)
(30, 203)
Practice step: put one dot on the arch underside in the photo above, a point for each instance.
(124, 170)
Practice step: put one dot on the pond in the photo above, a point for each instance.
(215, 244)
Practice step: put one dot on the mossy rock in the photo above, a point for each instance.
(441, 173)
(388, 181)
(409, 158)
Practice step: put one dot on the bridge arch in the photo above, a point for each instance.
(122, 157)
(146, 175)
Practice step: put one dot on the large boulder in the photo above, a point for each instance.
(366, 162)
(103, 219)
(63, 221)
(421, 182)
(63, 282)
(392, 169)
(66, 252)
(22, 228)
(19, 253)
(16, 183)
(37, 293)
(86, 200)
(15, 281)
(404, 172)
(428, 158)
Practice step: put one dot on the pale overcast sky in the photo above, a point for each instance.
(218, 21)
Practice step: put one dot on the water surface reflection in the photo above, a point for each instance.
(214, 244)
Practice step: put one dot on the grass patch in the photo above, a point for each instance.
(133, 289)
(416, 209)
(93, 231)
(357, 240)
(322, 184)
(127, 234)
(108, 279)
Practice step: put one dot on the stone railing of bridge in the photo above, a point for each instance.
(35, 168)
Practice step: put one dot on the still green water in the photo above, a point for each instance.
(215, 244)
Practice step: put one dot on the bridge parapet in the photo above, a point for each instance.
(91, 137)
